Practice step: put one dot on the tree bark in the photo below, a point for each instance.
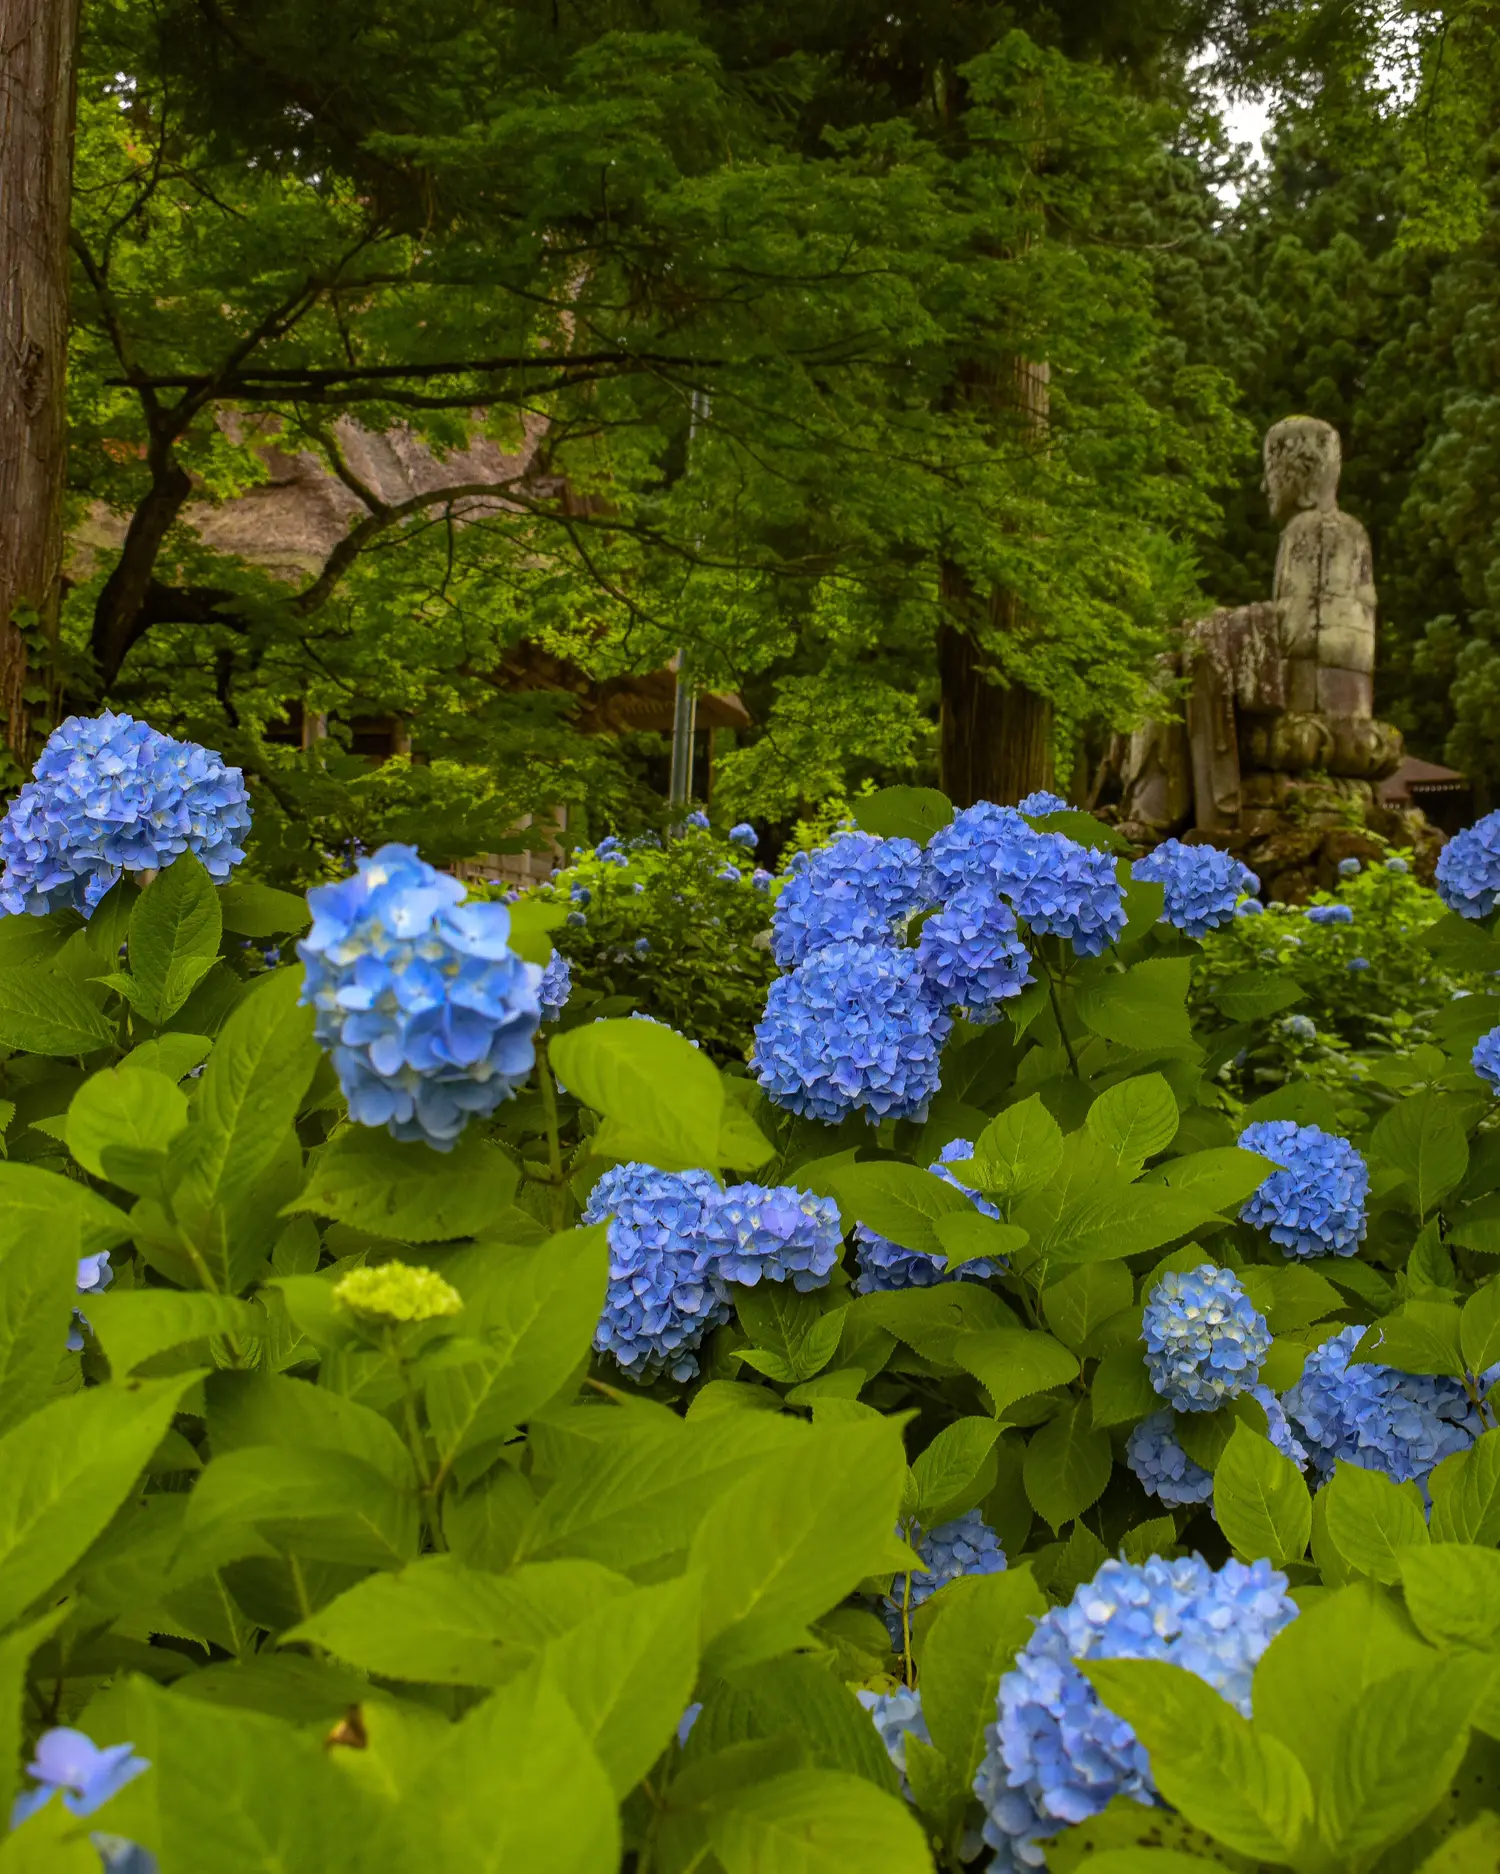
(996, 733)
(37, 77)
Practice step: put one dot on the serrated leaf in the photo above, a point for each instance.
(815, 1822)
(1372, 1520)
(898, 1201)
(1261, 1501)
(970, 1236)
(370, 1181)
(133, 1325)
(1018, 1151)
(1479, 1328)
(914, 813)
(250, 909)
(1466, 1493)
(120, 1114)
(1135, 1119)
(646, 1078)
(970, 1644)
(1424, 1139)
(1084, 1299)
(1142, 1007)
(1421, 1337)
(175, 930)
(1012, 1363)
(41, 1013)
(1122, 1391)
(1452, 1592)
(949, 1469)
(1067, 1465)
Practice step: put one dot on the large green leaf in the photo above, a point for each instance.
(1111, 1224)
(971, 1643)
(41, 1013)
(134, 1324)
(1084, 1299)
(326, 1505)
(552, 1808)
(1011, 1364)
(38, 1287)
(1420, 1337)
(1018, 1151)
(898, 1201)
(1142, 1007)
(1136, 1118)
(1396, 1751)
(662, 1099)
(1247, 1791)
(1466, 1493)
(1372, 1520)
(534, 1311)
(627, 1669)
(796, 1536)
(641, 1493)
(953, 1474)
(914, 813)
(175, 930)
(1122, 1389)
(370, 1181)
(815, 1822)
(1479, 1328)
(440, 1623)
(1067, 1465)
(1423, 1138)
(65, 1471)
(122, 1121)
(1321, 1666)
(251, 909)
(251, 1089)
(1261, 1501)
(247, 1409)
(1452, 1592)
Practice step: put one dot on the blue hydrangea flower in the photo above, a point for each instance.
(1315, 1204)
(113, 795)
(853, 1029)
(1057, 1755)
(1468, 868)
(1252, 907)
(1358, 963)
(1162, 1467)
(884, 1265)
(966, 851)
(966, 1546)
(744, 835)
(1486, 1058)
(580, 894)
(896, 1715)
(94, 1275)
(664, 1296)
(858, 889)
(73, 1764)
(555, 987)
(1349, 868)
(1330, 914)
(1205, 1339)
(1399, 1423)
(1062, 889)
(760, 878)
(776, 1233)
(1300, 1028)
(1397, 865)
(122, 1856)
(1042, 802)
(1202, 884)
(730, 874)
(972, 953)
(427, 1012)
(698, 819)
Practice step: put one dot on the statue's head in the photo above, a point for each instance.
(1302, 457)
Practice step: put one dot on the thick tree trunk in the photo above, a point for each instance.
(996, 738)
(36, 149)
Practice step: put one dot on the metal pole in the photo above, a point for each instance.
(685, 698)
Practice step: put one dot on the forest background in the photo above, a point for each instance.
(904, 368)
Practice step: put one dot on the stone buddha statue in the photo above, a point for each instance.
(1280, 733)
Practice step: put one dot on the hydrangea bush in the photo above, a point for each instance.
(448, 1423)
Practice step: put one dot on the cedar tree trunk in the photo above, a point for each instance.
(37, 45)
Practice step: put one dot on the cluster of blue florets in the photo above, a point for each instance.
(1164, 1470)
(776, 1234)
(1468, 869)
(859, 1023)
(71, 1765)
(1399, 1423)
(855, 1028)
(676, 1242)
(428, 1013)
(1205, 1339)
(896, 1716)
(859, 889)
(884, 1265)
(1202, 885)
(1042, 802)
(966, 1546)
(1056, 1755)
(744, 835)
(971, 952)
(113, 795)
(555, 987)
(1486, 1058)
(1330, 914)
(95, 1274)
(1314, 1205)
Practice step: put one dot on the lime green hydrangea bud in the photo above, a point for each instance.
(397, 1293)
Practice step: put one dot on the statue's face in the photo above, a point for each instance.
(1302, 467)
